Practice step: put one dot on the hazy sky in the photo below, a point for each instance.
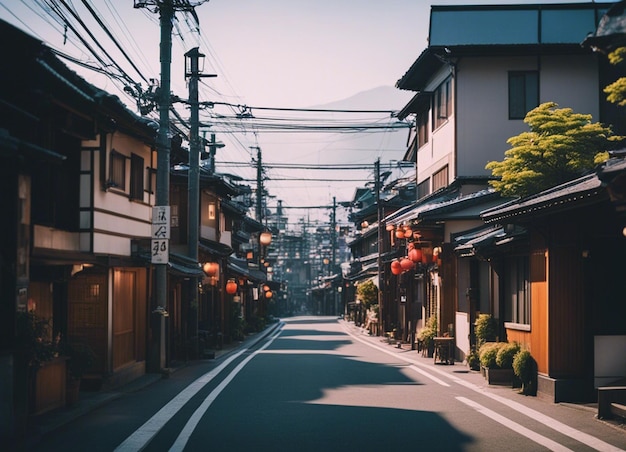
(271, 53)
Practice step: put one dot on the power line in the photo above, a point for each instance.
(321, 166)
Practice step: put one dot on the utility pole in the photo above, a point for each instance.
(156, 359)
(380, 214)
(333, 225)
(193, 60)
(259, 185)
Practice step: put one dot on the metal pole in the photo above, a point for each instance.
(379, 213)
(163, 180)
(259, 186)
(193, 196)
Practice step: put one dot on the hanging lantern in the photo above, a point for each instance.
(231, 286)
(265, 238)
(408, 232)
(396, 268)
(399, 233)
(406, 264)
(269, 294)
(211, 268)
(415, 254)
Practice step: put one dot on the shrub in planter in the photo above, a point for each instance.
(426, 334)
(485, 329)
(473, 359)
(525, 368)
(506, 353)
(488, 353)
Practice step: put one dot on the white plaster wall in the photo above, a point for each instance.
(117, 219)
(483, 124)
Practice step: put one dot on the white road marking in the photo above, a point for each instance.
(536, 437)
(193, 421)
(560, 427)
(144, 434)
(428, 375)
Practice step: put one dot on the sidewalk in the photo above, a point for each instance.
(461, 370)
(90, 400)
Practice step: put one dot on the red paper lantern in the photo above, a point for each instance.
(415, 255)
(231, 286)
(211, 268)
(396, 268)
(268, 294)
(406, 264)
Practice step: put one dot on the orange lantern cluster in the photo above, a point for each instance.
(404, 232)
(231, 286)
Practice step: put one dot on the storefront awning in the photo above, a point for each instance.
(183, 266)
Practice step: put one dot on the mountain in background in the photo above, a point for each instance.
(380, 98)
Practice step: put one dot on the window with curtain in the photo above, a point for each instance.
(117, 170)
(443, 103)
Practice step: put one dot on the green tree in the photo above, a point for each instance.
(560, 146)
(616, 91)
(367, 292)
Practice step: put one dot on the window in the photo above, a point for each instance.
(443, 103)
(422, 129)
(423, 189)
(117, 170)
(136, 177)
(440, 178)
(517, 290)
(523, 93)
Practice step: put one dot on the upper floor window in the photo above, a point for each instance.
(442, 108)
(422, 129)
(136, 177)
(523, 93)
(440, 178)
(117, 170)
(517, 290)
(423, 189)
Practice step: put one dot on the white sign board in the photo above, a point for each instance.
(161, 222)
(159, 249)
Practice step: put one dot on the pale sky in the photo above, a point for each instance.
(272, 53)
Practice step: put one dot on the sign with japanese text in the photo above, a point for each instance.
(159, 249)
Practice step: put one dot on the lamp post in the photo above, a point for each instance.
(194, 60)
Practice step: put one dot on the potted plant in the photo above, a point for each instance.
(80, 359)
(36, 358)
(34, 339)
(473, 359)
(426, 336)
(525, 368)
(485, 329)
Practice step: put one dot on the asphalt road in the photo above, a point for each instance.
(320, 384)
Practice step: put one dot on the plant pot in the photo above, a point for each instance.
(499, 376)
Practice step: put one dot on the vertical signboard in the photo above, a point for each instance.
(160, 234)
